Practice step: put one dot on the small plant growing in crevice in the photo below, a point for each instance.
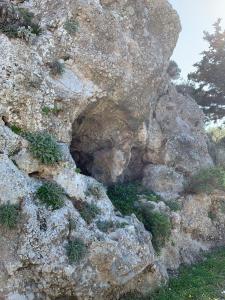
(212, 215)
(71, 26)
(120, 225)
(9, 215)
(57, 68)
(44, 147)
(87, 211)
(105, 226)
(16, 129)
(46, 110)
(95, 191)
(72, 224)
(78, 170)
(76, 250)
(51, 195)
(173, 205)
(158, 224)
(207, 180)
(18, 23)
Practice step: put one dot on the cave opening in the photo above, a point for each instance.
(102, 144)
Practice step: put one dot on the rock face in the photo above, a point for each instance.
(96, 78)
(113, 103)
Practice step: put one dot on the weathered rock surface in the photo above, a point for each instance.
(115, 109)
(35, 265)
(164, 181)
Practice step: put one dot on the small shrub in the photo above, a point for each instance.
(105, 226)
(173, 205)
(71, 26)
(78, 170)
(27, 21)
(9, 29)
(9, 215)
(76, 250)
(57, 68)
(87, 211)
(120, 225)
(16, 129)
(19, 23)
(207, 180)
(44, 147)
(125, 198)
(158, 224)
(26, 15)
(51, 194)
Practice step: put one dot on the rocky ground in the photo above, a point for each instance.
(93, 74)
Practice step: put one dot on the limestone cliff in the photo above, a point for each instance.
(93, 73)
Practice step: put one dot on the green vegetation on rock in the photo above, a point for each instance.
(158, 224)
(20, 20)
(16, 129)
(207, 180)
(46, 110)
(173, 205)
(76, 250)
(44, 147)
(94, 190)
(125, 198)
(57, 68)
(87, 211)
(71, 26)
(51, 194)
(105, 226)
(203, 281)
(9, 214)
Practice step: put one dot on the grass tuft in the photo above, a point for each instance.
(71, 26)
(44, 147)
(51, 194)
(76, 250)
(57, 68)
(203, 281)
(16, 129)
(173, 205)
(105, 226)
(87, 211)
(207, 180)
(9, 215)
(46, 110)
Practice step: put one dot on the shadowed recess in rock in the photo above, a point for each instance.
(103, 143)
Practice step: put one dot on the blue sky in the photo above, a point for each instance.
(196, 16)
